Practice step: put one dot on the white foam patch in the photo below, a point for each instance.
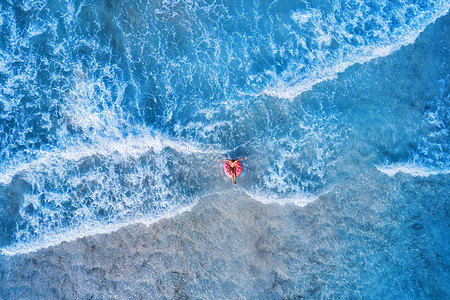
(286, 89)
(27, 5)
(298, 157)
(203, 129)
(300, 200)
(432, 156)
(86, 230)
(303, 17)
(412, 169)
(328, 63)
(100, 187)
(131, 146)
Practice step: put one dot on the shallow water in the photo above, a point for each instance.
(115, 113)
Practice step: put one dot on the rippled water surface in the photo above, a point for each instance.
(116, 112)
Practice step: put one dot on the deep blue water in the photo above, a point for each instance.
(116, 112)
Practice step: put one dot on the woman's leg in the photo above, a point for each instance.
(233, 174)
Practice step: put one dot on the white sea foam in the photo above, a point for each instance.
(131, 146)
(107, 184)
(300, 200)
(88, 229)
(412, 169)
(432, 156)
(288, 89)
(302, 17)
(300, 154)
(328, 63)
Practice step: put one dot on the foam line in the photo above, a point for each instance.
(283, 89)
(412, 169)
(130, 146)
(87, 230)
(300, 200)
(286, 87)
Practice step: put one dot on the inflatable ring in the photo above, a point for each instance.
(227, 168)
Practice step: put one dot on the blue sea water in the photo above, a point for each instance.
(116, 112)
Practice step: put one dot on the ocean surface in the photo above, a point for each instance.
(115, 113)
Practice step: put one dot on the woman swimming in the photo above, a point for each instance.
(232, 166)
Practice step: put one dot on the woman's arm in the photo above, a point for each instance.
(232, 160)
(241, 159)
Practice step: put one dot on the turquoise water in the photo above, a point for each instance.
(116, 112)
